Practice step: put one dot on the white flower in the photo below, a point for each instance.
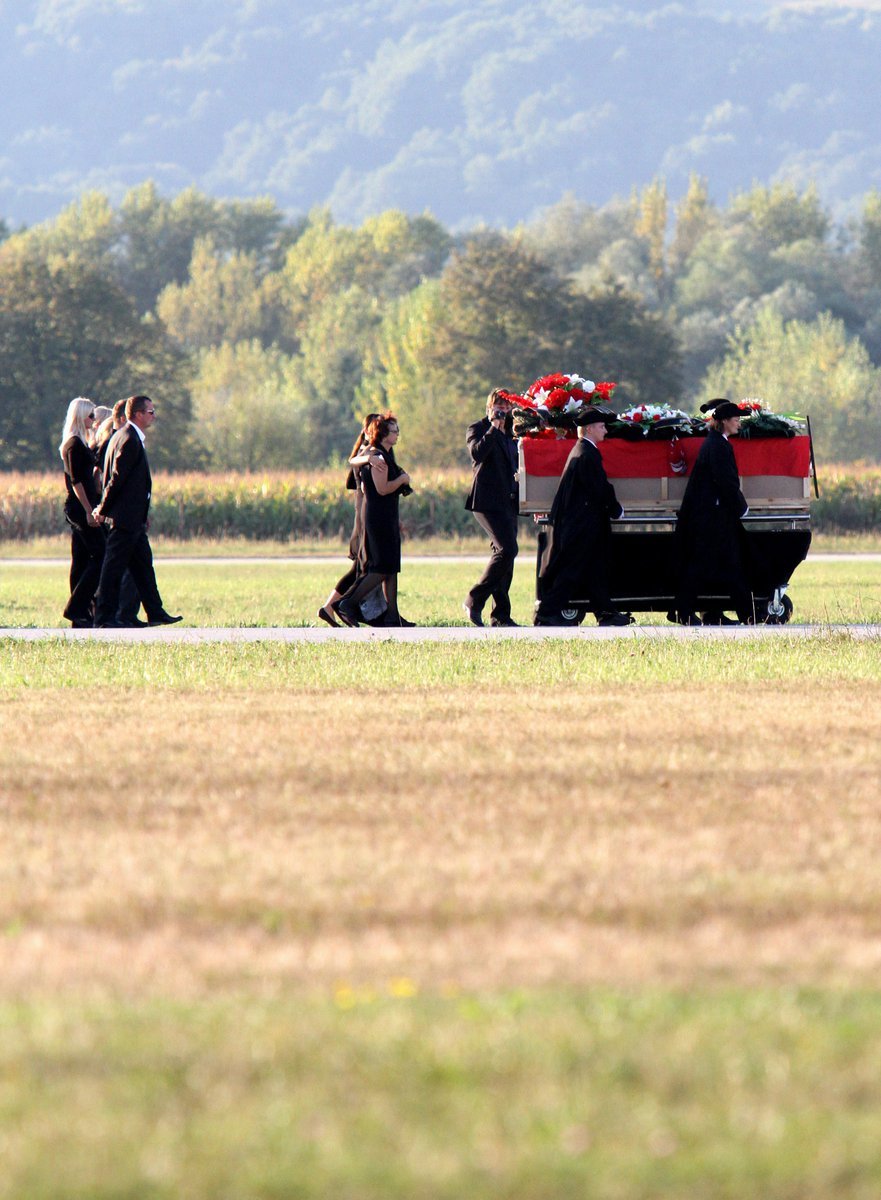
(588, 385)
(541, 396)
(572, 406)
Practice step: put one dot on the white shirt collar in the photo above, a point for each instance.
(138, 431)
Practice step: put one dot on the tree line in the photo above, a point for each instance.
(264, 338)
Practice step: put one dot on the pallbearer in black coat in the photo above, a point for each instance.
(709, 532)
(493, 500)
(124, 505)
(575, 563)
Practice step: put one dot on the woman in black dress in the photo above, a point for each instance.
(356, 542)
(382, 481)
(86, 535)
(708, 530)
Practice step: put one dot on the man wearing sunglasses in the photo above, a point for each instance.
(125, 505)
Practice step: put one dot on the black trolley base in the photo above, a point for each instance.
(643, 567)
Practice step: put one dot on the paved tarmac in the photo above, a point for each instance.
(182, 635)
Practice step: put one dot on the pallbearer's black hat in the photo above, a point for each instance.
(594, 415)
(722, 409)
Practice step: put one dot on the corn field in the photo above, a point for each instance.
(279, 506)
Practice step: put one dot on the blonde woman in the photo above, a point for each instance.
(86, 535)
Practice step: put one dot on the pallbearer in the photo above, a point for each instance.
(493, 500)
(575, 563)
(708, 531)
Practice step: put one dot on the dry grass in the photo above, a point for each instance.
(307, 838)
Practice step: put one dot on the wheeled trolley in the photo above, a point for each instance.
(650, 480)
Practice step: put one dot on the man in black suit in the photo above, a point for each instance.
(576, 557)
(125, 505)
(493, 500)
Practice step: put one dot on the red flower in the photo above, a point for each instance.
(558, 398)
(605, 390)
(637, 416)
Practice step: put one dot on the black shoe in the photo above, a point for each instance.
(473, 614)
(551, 619)
(348, 613)
(614, 618)
(503, 623)
(161, 618)
(137, 623)
(326, 614)
(389, 622)
(81, 623)
(109, 625)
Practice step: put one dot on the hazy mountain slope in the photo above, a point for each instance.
(478, 112)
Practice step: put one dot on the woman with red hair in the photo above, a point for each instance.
(383, 482)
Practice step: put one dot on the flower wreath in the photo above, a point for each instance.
(760, 422)
(554, 401)
(655, 421)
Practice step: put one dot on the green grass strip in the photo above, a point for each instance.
(271, 665)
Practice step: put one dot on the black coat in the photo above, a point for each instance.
(709, 531)
(127, 480)
(493, 487)
(580, 518)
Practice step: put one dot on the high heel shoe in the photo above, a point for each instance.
(326, 614)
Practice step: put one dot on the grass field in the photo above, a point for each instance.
(59, 547)
(439, 921)
(288, 594)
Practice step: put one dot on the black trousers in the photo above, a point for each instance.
(87, 544)
(129, 600)
(501, 527)
(127, 548)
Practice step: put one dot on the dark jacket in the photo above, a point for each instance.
(493, 487)
(581, 514)
(127, 480)
(709, 531)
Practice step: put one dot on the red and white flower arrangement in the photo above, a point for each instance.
(553, 401)
(646, 415)
(565, 393)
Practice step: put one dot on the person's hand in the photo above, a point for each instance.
(404, 478)
(97, 517)
(92, 520)
(498, 423)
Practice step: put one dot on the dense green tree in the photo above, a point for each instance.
(651, 224)
(67, 330)
(247, 413)
(336, 340)
(401, 374)
(810, 367)
(386, 257)
(695, 216)
(571, 236)
(221, 301)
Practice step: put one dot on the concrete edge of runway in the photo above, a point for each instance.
(184, 635)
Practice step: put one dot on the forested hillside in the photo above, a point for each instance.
(263, 337)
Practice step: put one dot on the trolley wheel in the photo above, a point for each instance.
(780, 613)
(573, 616)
